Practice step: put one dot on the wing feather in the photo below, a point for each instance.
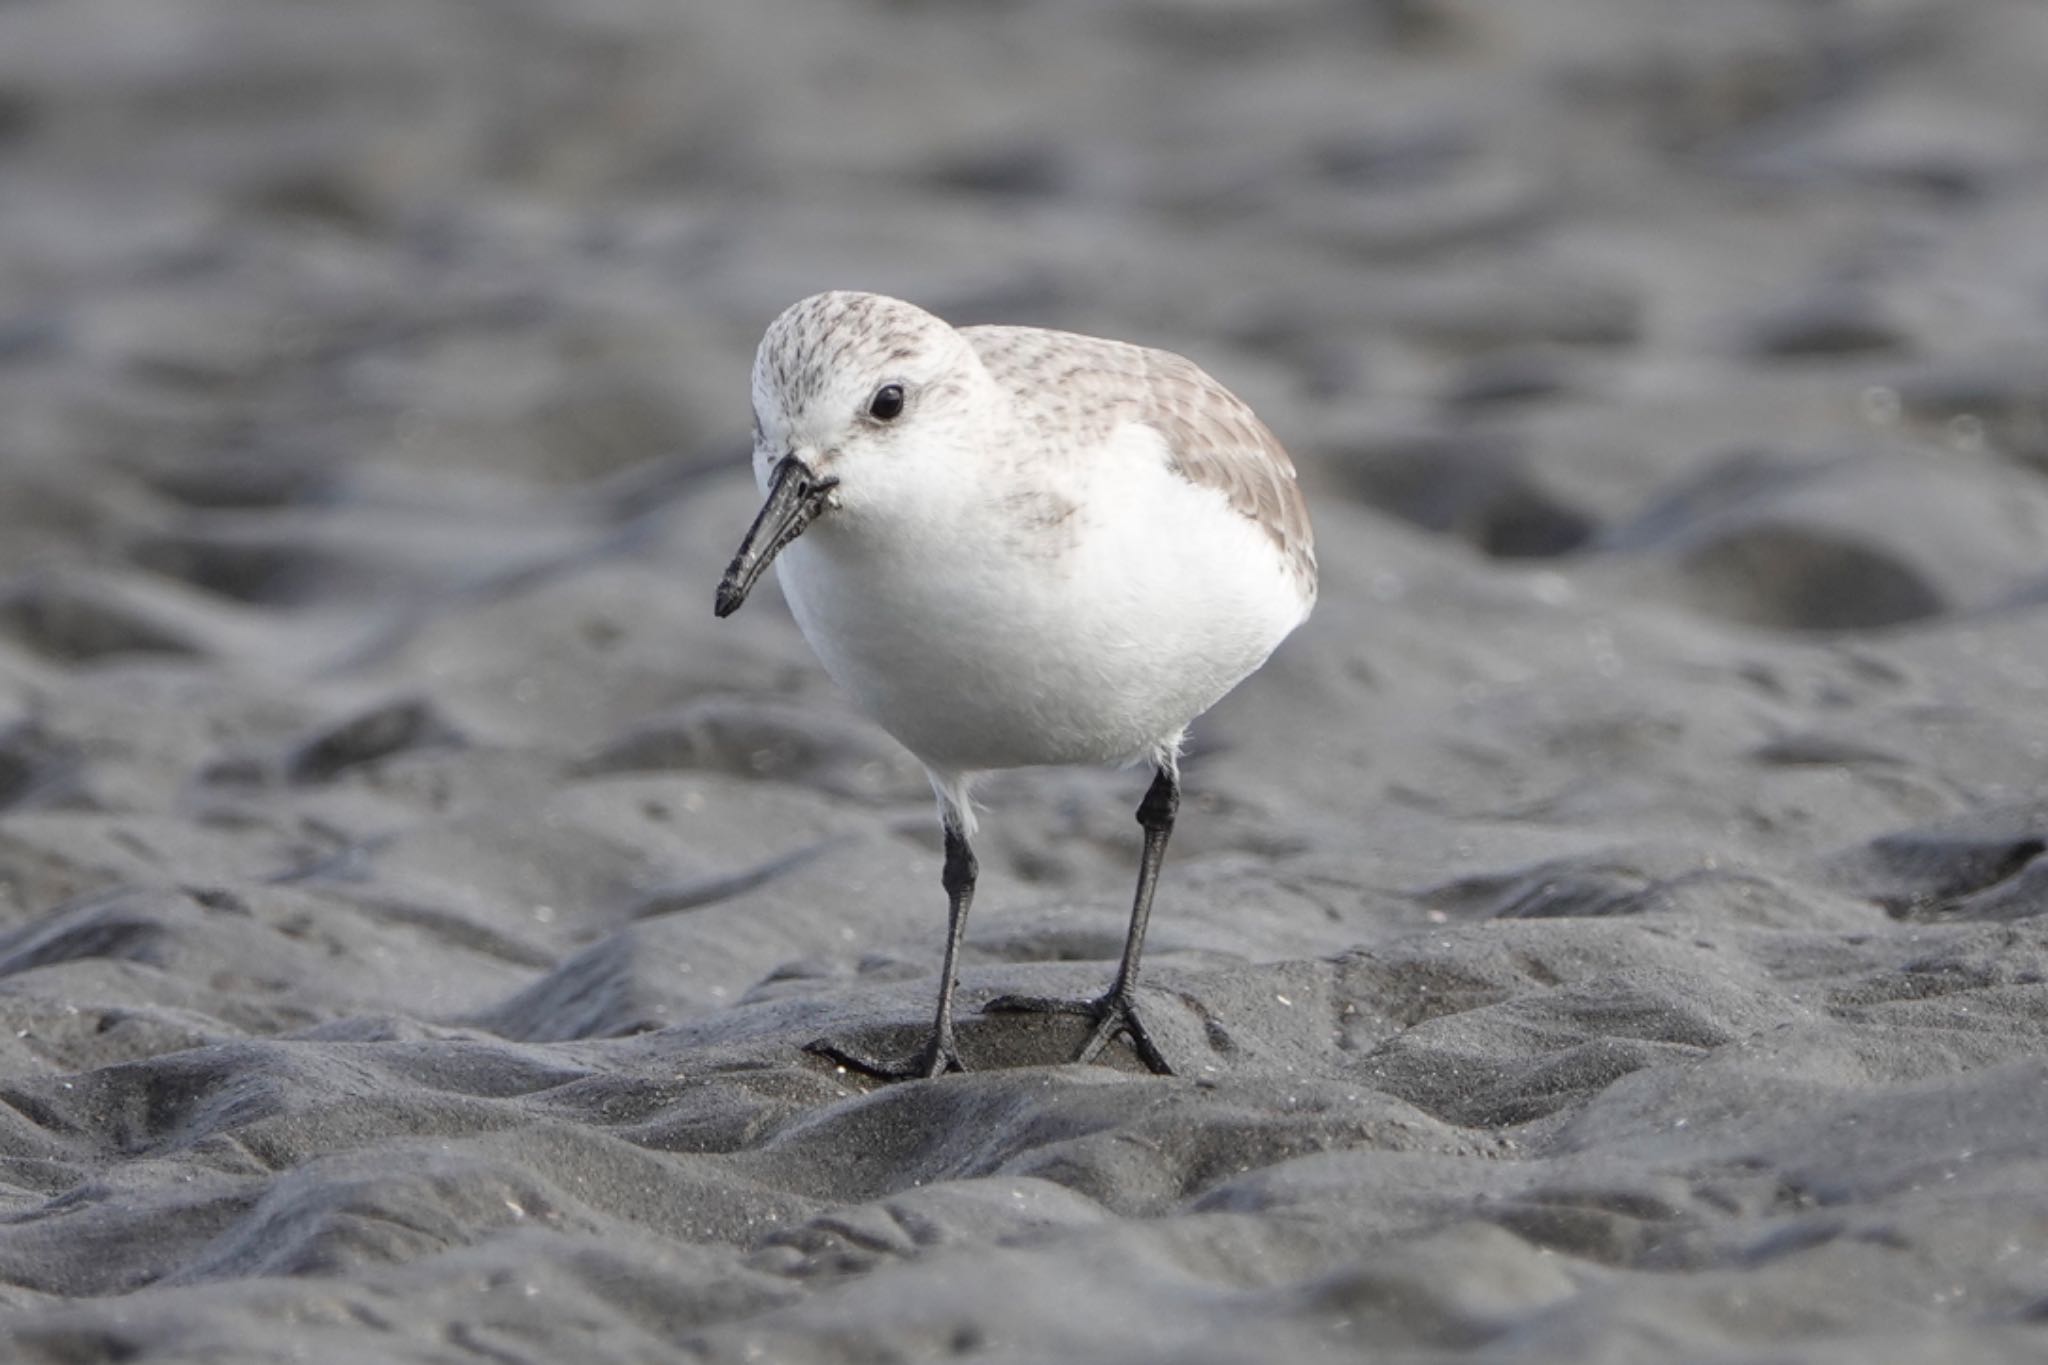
(1079, 390)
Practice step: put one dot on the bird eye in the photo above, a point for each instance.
(887, 404)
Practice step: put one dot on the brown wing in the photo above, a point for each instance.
(1086, 387)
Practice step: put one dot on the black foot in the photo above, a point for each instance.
(937, 1058)
(1113, 1014)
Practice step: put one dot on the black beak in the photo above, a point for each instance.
(795, 498)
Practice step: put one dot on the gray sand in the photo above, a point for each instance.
(1611, 930)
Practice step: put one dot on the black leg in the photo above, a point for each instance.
(1155, 816)
(940, 1054)
(1117, 1012)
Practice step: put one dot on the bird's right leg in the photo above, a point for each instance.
(940, 1053)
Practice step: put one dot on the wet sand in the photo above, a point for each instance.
(1611, 930)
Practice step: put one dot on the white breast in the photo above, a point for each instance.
(992, 633)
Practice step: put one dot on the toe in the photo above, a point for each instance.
(937, 1062)
(1037, 1004)
(935, 1059)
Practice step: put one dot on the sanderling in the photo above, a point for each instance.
(1016, 547)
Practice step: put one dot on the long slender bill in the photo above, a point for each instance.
(795, 498)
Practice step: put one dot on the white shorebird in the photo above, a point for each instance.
(1019, 547)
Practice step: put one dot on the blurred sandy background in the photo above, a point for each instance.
(1612, 930)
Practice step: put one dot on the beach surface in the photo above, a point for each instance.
(1614, 928)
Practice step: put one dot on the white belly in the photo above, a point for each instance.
(1098, 641)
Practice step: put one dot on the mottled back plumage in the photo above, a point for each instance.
(1079, 389)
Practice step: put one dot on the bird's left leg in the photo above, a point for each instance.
(1117, 1012)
